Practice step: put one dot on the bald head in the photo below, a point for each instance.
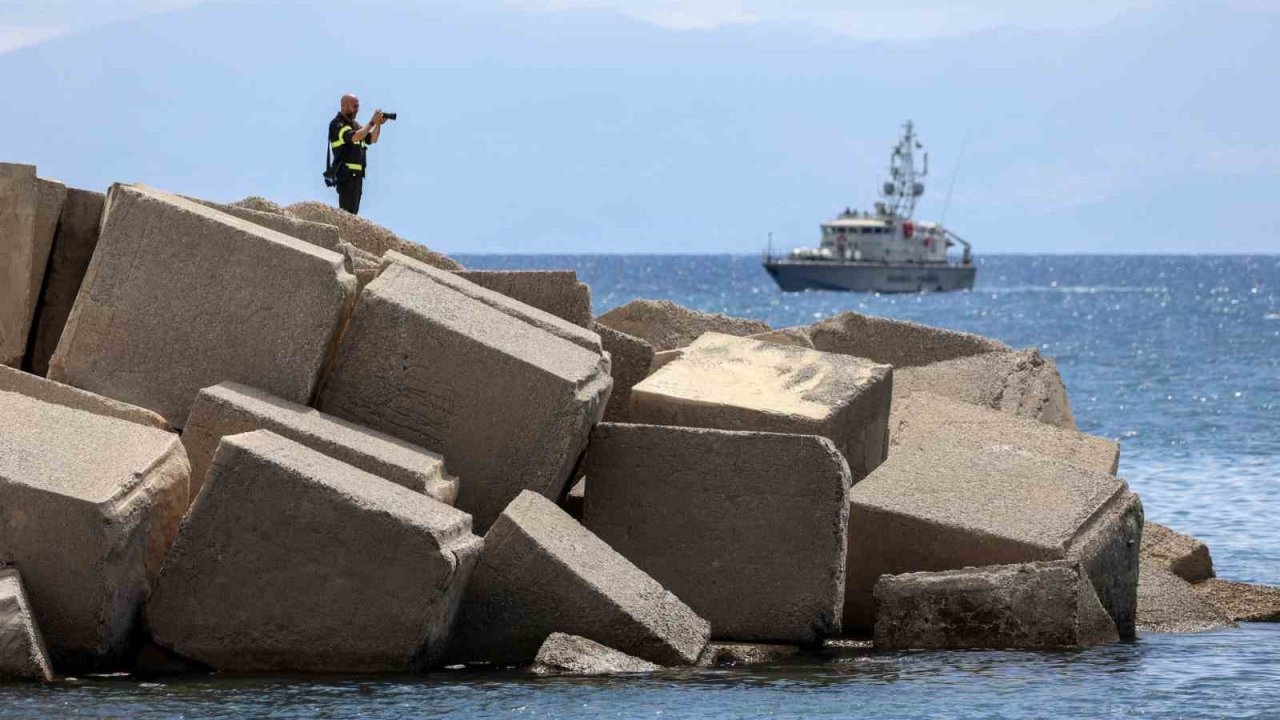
(350, 105)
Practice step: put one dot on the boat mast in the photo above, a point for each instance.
(904, 185)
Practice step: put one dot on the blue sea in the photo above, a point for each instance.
(1176, 357)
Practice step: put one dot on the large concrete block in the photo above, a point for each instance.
(73, 246)
(749, 529)
(899, 343)
(179, 297)
(1183, 555)
(923, 420)
(325, 236)
(89, 505)
(564, 654)
(733, 383)
(23, 383)
(733, 654)
(509, 406)
(368, 235)
(945, 509)
(231, 408)
(22, 652)
(1242, 602)
(1041, 605)
(667, 326)
(291, 560)
(20, 256)
(629, 364)
(555, 291)
(1021, 383)
(1169, 604)
(541, 572)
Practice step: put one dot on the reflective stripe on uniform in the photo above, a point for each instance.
(355, 166)
(342, 131)
(335, 144)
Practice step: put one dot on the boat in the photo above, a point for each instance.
(884, 250)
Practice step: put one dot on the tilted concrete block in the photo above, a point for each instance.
(1169, 604)
(667, 326)
(367, 235)
(564, 654)
(1040, 605)
(292, 560)
(945, 509)
(231, 408)
(541, 572)
(22, 257)
(23, 383)
(554, 291)
(923, 420)
(89, 505)
(22, 652)
(899, 343)
(179, 297)
(508, 405)
(749, 529)
(1021, 383)
(629, 359)
(734, 654)
(733, 383)
(325, 236)
(1183, 555)
(1241, 602)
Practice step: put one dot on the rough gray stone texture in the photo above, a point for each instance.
(292, 560)
(733, 383)
(179, 297)
(629, 364)
(732, 654)
(1241, 602)
(20, 256)
(667, 326)
(1183, 555)
(542, 572)
(22, 651)
(231, 408)
(664, 358)
(89, 505)
(1169, 604)
(73, 246)
(798, 336)
(575, 499)
(923, 420)
(325, 236)
(261, 204)
(564, 654)
(367, 235)
(1040, 605)
(23, 383)
(509, 406)
(949, 508)
(1021, 383)
(364, 265)
(749, 529)
(899, 343)
(558, 292)
(540, 319)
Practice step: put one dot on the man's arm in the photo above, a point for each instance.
(372, 128)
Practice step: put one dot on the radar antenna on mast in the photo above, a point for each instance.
(904, 185)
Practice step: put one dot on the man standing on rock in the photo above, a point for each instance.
(349, 142)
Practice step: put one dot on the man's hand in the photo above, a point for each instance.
(377, 118)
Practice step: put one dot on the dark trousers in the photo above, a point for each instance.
(349, 191)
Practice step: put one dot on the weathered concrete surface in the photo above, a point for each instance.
(575, 500)
(732, 654)
(667, 326)
(89, 505)
(261, 204)
(749, 529)
(923, 420)
(1183, 555)
(19, 256)
(798, 336)
(1040, 605)
(540, 319)
(179, 297)
(1167, 603)
(509, 406)
(1241, 602)
(1021, 383)
(22, 652)
(325, 236)
(292, 560)
(541, 572)
(558, 292)
(367, 235)
(73, 246)
(231, 408)
(946, 509)
(664, 358)
(564, 654)
(629, 364)
(733, 383)
(23, 383)
(899, 343)
(364, 265)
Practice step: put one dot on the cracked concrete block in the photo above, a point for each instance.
(1021, 383)
(564, 654)
(554, 291)
(667, 326)
(22, 651)
(899, 343)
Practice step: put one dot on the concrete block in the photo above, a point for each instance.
(541, 572)
(1021, 383)
(21, 258)
(899, 343)
(923, 420)
(368, 235)
(22, 652)
(89, 505)
(554, 291)
(667, 326)
(946, 509)
(749, 529)
(564, 654)
(1031, 606)
(733, 654)
(73, 246)
(509, 406)
(664, 358)
(797, 336)
(320, 234)
(1241, 602)
(231, 408)
(179, 297)
(1183, 555)
(1168, 604)
(291, 560)
(23, 383)
(629, 359)
(733, 383)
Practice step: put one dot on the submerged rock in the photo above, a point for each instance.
(564, 654)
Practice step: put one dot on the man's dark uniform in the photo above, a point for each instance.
(349, 160)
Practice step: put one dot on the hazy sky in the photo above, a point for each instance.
(679, 126)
